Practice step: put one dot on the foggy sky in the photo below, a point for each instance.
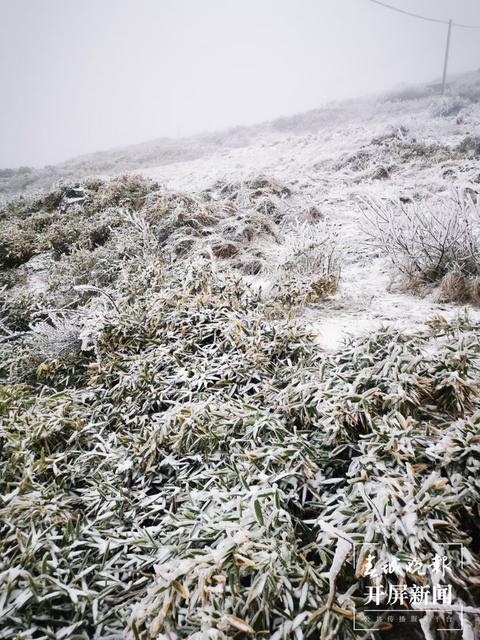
(81, 75)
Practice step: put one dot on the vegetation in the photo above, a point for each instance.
(431, 244)
(178, 457)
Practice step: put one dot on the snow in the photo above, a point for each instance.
(342, 551)
(35, 272)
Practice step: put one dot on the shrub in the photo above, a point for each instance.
(125, 191)
(307, 269)
(459, 287)
(429, 243)
(447, 106)
(17, 245)
(16, 309)
(470, 145)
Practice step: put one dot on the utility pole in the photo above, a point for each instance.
(450, 24)
(447, 53)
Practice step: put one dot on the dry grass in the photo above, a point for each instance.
(457, 287)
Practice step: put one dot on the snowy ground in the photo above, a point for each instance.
(372, 148)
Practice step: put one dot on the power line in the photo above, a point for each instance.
(427, 18)
(466, 26)
(408, 13)
(450, 24)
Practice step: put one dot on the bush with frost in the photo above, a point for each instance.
(447, 106)
(431, 243)
(307, 268)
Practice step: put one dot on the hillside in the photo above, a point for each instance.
(232, 372)
(167, 151)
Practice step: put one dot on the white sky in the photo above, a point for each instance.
(81, 75)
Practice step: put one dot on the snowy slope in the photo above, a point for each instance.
(408, 148)
(407, 144)
(170, 152)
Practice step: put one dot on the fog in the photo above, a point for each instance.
(82, 75)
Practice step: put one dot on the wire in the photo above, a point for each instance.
(466, 26)
(428, 19)
(414, 15)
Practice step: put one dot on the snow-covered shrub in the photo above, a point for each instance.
(470, 145)
(125, 191)
(391, 133)
(456, 286)
(58, 338)
(308, 267)
(231, 221)
(97, 267)
(74, 215)
(380, 173)
(17, 245)
(47, 352)
(384, 401)
(428, 242)
(358, 161)
(16, 309)
(447, 106)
